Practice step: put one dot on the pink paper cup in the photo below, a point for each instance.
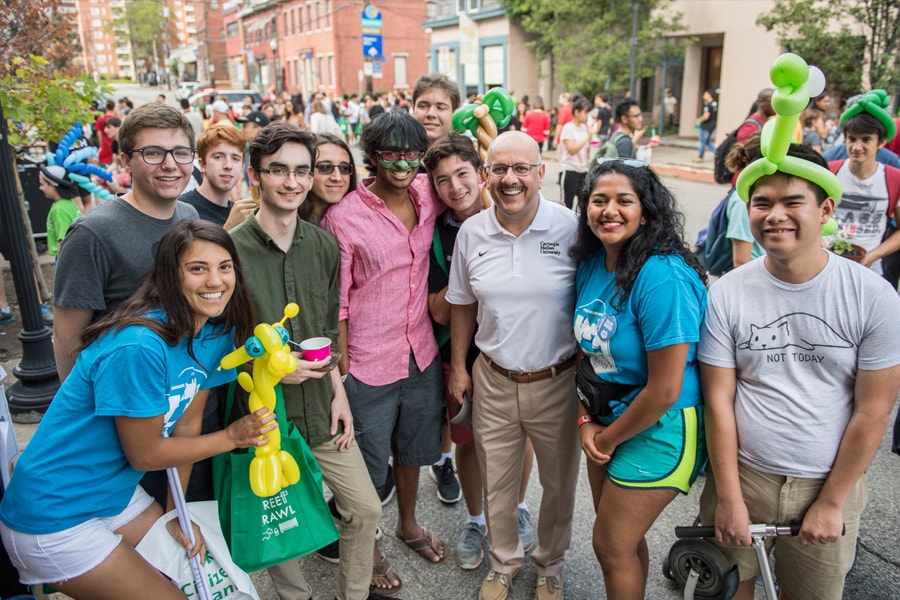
(315, 349)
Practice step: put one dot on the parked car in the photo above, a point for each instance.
(186, 89)
(235, 98)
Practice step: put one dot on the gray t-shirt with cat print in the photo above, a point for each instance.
(796, 350)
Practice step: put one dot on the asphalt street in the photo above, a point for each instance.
(876, 575)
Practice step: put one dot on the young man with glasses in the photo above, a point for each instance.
(511, 266)
(630, 119)
(109, 250)
(393, 373)
(287, 259)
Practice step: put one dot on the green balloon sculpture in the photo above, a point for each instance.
(795, 83)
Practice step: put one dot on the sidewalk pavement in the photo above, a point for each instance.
(673, 157)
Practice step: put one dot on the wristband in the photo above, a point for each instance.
(584, 419)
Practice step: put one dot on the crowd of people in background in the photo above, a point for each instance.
(465, 308)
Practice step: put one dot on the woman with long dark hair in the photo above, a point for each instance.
(641, 298)
(143, 375)
(333, 177)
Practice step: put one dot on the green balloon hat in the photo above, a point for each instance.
(877, 103)
(795, 83)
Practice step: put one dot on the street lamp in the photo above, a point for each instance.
(273, 44)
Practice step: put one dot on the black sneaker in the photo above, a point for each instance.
(447, 484)
(387, 489)
(330, 553)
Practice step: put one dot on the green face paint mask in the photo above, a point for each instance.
(398, 165)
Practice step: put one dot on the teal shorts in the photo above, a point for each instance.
(667, 455)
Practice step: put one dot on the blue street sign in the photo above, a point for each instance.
(371, 19)
(372, 46)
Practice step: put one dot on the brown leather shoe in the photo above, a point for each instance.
(495, 586)
(548, 588)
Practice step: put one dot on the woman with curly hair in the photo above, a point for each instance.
(640, 300)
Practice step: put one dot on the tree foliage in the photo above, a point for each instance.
(38, 106)
(149, 26)
(39, 28)
(838, 36)
(589, 41)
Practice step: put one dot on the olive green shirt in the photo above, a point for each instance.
(308, 275)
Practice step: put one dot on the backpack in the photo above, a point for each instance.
(720, 171)
(607, 149)
(713, 249)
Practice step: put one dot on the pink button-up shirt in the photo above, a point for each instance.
(384, 281)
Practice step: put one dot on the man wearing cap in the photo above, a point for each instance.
(221, 113)
(220, 154)
(59, 190)
(252, 122)
(511, 266)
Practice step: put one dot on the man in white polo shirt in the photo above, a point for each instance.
(512, 274)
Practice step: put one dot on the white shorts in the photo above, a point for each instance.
(64, 555)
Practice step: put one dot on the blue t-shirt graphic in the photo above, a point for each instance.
(74, 468)
(665, 307)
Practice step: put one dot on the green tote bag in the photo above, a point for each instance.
(262, 532)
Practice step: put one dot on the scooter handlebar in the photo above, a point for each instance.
(708, 531)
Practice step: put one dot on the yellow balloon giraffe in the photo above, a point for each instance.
(271, 468)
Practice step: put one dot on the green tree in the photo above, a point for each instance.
(589, 41)
(838, 36)
(39, 28)
(39, 106)
(149, 26)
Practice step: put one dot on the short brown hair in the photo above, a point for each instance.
(217, 134)
(452, 144)
(153, 116)
(436, 80)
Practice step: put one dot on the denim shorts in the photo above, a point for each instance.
(64, 555)
(403, 417)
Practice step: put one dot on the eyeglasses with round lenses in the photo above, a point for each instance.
(343, 168)
(280, 173)
(395, 155)
(518, 169)
(156, 155)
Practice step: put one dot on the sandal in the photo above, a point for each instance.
(382, 570)
(427, 542)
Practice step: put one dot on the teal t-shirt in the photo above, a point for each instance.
(739, 223)
(74, 468)
(665, 307)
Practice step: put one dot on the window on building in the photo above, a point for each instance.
(331, 75)
(474, 5)
(401, 79)
(308, 17)
(293, 23)
(318, 22)
(231, 30)
(96, 23)
(321, 71)
(493, 66)
(96, 12)
(327, 14)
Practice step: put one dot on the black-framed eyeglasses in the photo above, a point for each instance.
(395, 155)
(343, 168)
(628, 162)
(518, 169)
(156, 155)
(280, 173)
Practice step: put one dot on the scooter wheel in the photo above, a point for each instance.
(666, 571)
(688, 555)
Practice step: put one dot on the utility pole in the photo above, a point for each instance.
(634, 27)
